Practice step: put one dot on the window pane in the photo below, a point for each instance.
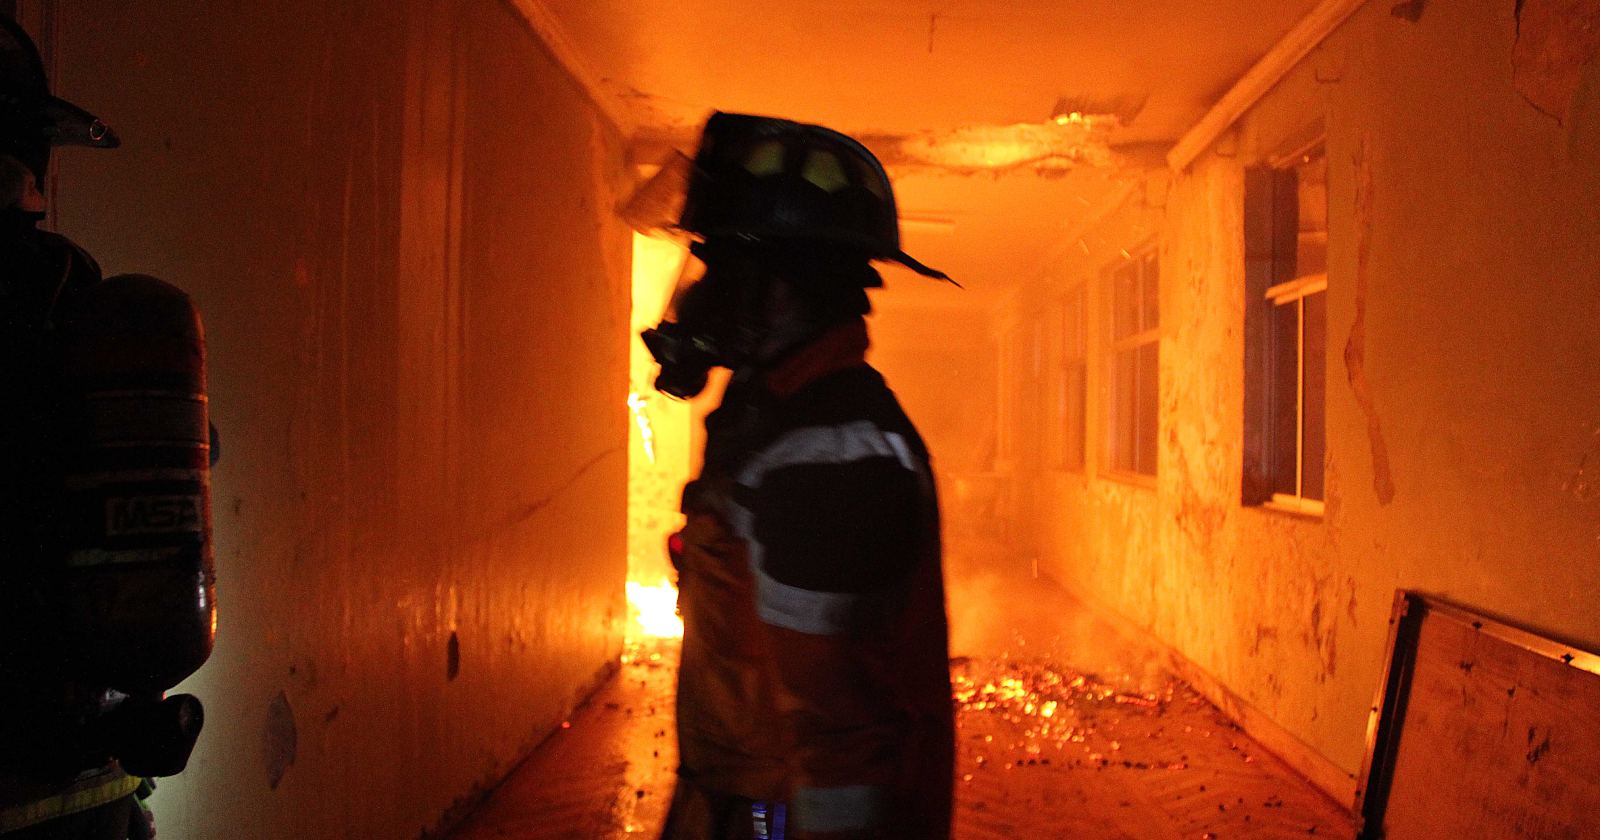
(1073, 380)
(1072, 417)
(1149, 408)
(1072, 338)
(1311, 255)
(1283, 397)
(1316, 341)
(1125, 301)
(1125, 404)
(1150, 286)
(1312, 175)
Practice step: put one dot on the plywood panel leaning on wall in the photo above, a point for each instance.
(1481, 730)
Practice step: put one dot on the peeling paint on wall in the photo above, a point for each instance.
(1322, 636)
(282, 740)
(1410, 10)
(1585, 481)
(1198, 517)
(1325, 635)
(1556, 39)
(1355, 350)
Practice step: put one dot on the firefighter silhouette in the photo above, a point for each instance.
(106, 576)
(814, 690)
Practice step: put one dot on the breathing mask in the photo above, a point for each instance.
(716, 318)
(765, 195)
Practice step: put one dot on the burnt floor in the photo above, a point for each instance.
(1063, 732)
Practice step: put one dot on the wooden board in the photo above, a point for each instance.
(1481, 730)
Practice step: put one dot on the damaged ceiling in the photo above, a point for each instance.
(959, 97)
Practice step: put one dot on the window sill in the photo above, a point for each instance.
(1295, 506)
(1148, 482)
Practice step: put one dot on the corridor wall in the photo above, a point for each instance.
(397, 221)
(1462, 352)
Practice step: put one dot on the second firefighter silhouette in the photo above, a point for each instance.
(106, 577)
(814, 692)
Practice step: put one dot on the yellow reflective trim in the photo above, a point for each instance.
(765, 159)
(67, 804)
(824, 169)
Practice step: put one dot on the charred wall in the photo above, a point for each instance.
(396, 218)
(1462, 356)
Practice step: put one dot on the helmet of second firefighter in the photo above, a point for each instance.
(32, 121)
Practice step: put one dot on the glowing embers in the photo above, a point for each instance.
(1047, 714)
(653, 610)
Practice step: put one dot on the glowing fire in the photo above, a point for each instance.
(1066, 141)
(647, 434)
(654, 609)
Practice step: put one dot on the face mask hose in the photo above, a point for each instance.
(716, 321)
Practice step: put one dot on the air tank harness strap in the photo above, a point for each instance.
(73, 801)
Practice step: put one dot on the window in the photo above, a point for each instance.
(1286, 248)
(1134, 321)
(1071, 382)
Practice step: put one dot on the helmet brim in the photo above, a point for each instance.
(29, 111)
(65, 124)
(912, 263)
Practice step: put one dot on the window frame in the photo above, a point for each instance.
(1295, 292)
(1070, 452)
(1274, 278)
(1112, 348)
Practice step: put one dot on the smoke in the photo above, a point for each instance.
(998, 610)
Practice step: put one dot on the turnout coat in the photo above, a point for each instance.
(814, 683)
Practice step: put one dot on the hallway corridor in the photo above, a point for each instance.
(1273, 342)
(1061, 734)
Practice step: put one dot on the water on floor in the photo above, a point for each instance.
(1065, 730)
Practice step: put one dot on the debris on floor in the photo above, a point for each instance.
(1046, 748)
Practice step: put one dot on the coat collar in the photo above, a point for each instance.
(839, 348)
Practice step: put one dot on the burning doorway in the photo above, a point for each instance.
(660, 450)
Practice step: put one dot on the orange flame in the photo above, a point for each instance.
(654, 610)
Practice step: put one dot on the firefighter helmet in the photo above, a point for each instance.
(31, 120)
(774, 180)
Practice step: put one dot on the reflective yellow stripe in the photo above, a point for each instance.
(71, 802)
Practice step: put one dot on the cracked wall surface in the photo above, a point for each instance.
(397, 221)
(1463, 350)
